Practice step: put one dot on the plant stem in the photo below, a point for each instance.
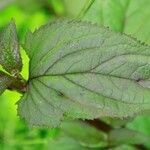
(18, 84)
(100, 125)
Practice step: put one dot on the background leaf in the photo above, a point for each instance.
(126, 136)
(65, 143)
(85, 134)
(124, 147)
(128, 16)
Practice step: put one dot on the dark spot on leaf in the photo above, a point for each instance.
(139, 79)
(60, 94)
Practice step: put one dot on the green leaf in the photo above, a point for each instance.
(136, 20)
(117, 122)
(5, 81)
(141, 124)
(74, 7)
(108, 13)
(124, 147)
(65, 143)
(85, 134)
(9, 49)
(80, 70)
(126, 136)
(128, 16)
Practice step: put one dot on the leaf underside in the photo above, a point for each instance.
(80, 70)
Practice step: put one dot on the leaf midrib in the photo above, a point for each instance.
(116, 100)
(87, 72)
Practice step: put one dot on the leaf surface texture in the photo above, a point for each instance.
(81, 70)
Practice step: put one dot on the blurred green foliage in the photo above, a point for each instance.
(14, 134)
(126, 16)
